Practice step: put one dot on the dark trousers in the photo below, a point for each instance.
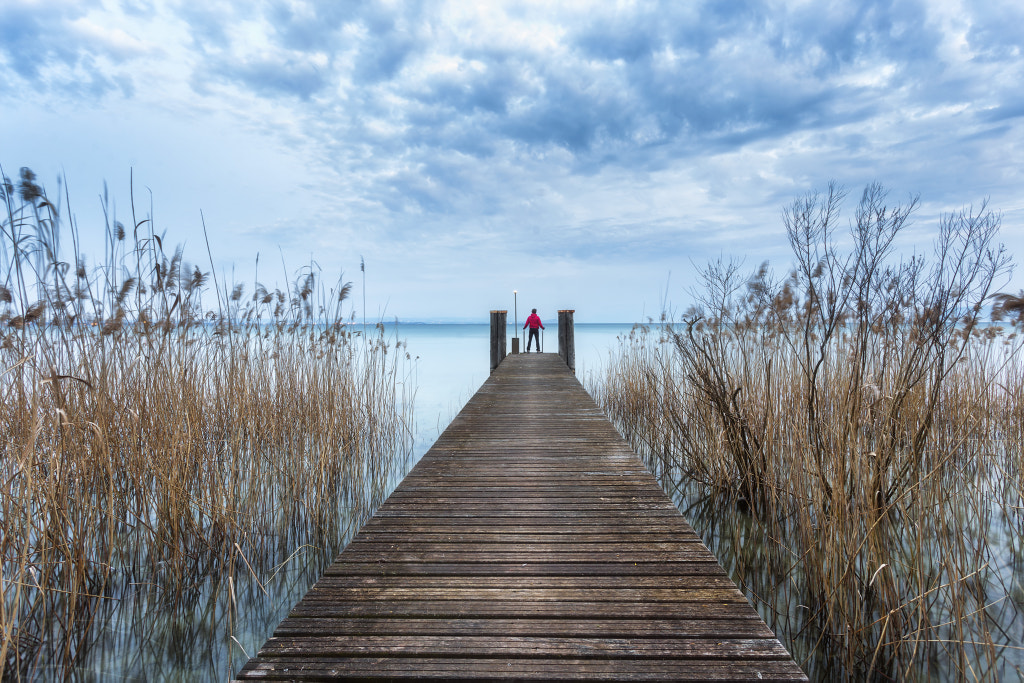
(534, 334)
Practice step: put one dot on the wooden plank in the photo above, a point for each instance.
(466, 609)
(528, 543)
(521, 668)
(506, 570)
(697, 580)
(744, 626)
(524, 646)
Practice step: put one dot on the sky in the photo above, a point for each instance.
(591, 155)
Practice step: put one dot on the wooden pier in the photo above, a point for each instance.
(529, 543)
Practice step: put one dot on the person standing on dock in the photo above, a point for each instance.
(535, 325)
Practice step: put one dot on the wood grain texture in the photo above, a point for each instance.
(529, 543)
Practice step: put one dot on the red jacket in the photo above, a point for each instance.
(533, 322)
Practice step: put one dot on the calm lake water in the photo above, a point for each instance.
(212, 634)
(209, 635)
(449, 363)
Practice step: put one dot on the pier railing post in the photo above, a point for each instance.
(498, 333)
(566, 339)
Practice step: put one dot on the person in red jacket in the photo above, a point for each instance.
(535, 325)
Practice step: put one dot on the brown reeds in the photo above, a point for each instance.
(847, 440)
(169, 442)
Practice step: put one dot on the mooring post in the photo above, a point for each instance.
(498, 334)
(567, 339)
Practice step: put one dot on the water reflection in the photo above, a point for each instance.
(209, 631)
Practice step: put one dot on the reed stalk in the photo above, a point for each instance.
(846, 438)
(166, 442)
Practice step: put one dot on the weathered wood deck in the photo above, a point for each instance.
(529, 542)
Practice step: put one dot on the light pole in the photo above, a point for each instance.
(515, 311)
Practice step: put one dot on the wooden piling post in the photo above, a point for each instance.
(498, 334)
(567, 339)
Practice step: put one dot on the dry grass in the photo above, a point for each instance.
(159, 431)
(848, 441)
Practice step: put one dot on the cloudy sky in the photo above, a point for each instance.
(588, 154)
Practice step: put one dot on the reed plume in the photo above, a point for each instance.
(169, 444)
(847, 439)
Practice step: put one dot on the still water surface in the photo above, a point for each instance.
(450, 362)
(210, 633)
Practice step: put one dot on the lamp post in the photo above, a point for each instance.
(515, 318)
(515, 310)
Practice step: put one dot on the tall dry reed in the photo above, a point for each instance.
(167, 437)
(847, 439)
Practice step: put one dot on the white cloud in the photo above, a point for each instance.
(111, 40)
(639, 134)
